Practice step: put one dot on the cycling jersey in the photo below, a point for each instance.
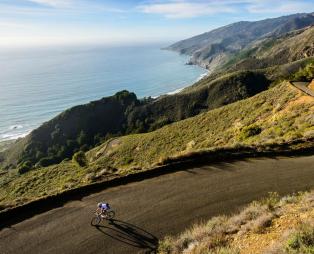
(105, 206)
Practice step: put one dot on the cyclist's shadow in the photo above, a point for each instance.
(129, 234)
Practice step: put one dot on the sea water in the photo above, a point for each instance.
(38, 84)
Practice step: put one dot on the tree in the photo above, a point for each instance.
(82, 138)
(80, 159)
(24, 167)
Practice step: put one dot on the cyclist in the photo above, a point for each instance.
(103, 207)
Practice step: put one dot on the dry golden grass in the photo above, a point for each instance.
(287, 228)
(311, 86)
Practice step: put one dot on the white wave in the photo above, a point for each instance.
(203, 75)
(13, 136)
(16, 127)
(175, 91)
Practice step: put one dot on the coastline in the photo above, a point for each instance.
(9, 134)
(203, 75)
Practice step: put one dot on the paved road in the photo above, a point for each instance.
(152, 208)
(303, 86)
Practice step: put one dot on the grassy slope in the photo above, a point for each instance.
(282, 114)
(274, 51)
(272, 225)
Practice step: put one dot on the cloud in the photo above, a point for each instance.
(11, 25)
(287, 6)
(197, 8)
(184, 9)
(55, 7)
(54, 3)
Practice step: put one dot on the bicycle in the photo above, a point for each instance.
(99, 217)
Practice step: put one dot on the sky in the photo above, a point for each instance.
(51, 22)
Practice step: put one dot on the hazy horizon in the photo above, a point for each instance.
(25, 23)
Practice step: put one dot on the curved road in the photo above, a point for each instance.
(304, 87)
(152, 208)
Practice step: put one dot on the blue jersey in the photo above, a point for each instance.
(105, 206)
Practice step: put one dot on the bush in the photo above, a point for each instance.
(271, 201)
(301, 241)
(305, 74)
(79, 158)
(47, 161)
(24, 167)
(165, 246)
(250, 131)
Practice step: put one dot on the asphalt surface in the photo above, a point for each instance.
(150, 209)
(303, 86)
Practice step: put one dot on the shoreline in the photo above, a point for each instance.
(203, 75)
(15, 132)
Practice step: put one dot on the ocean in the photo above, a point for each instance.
(38, 84)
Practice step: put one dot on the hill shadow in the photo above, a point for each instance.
(130, 234)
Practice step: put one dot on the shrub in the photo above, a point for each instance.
(24, 167)
(79, 158)
(261, 223)
(47, 161)
(271, 201)
(165, 246)
(302, 241)
(305, 74)
(250, 131)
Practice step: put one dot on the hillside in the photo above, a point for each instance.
(276, 116)
(273, 116)
(83, 127)
(271, 225)
(215, 48)
(269, 52)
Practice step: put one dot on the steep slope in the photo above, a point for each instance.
(268, 120)
(214, 48)
(269, 52)
(85, 126)
(278, 115)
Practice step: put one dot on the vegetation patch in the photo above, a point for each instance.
(284, 228)
(79, 159)
(301, 241)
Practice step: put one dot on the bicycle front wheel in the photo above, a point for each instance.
(95, 221)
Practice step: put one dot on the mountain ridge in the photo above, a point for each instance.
(212, 49)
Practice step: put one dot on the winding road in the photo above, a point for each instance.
(304, 87)
(150, 209)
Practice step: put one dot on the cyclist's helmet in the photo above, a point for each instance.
(99, 205)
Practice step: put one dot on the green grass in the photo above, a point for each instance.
(278, 115)
(301, 241)
(17, 189)
(273, 116)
